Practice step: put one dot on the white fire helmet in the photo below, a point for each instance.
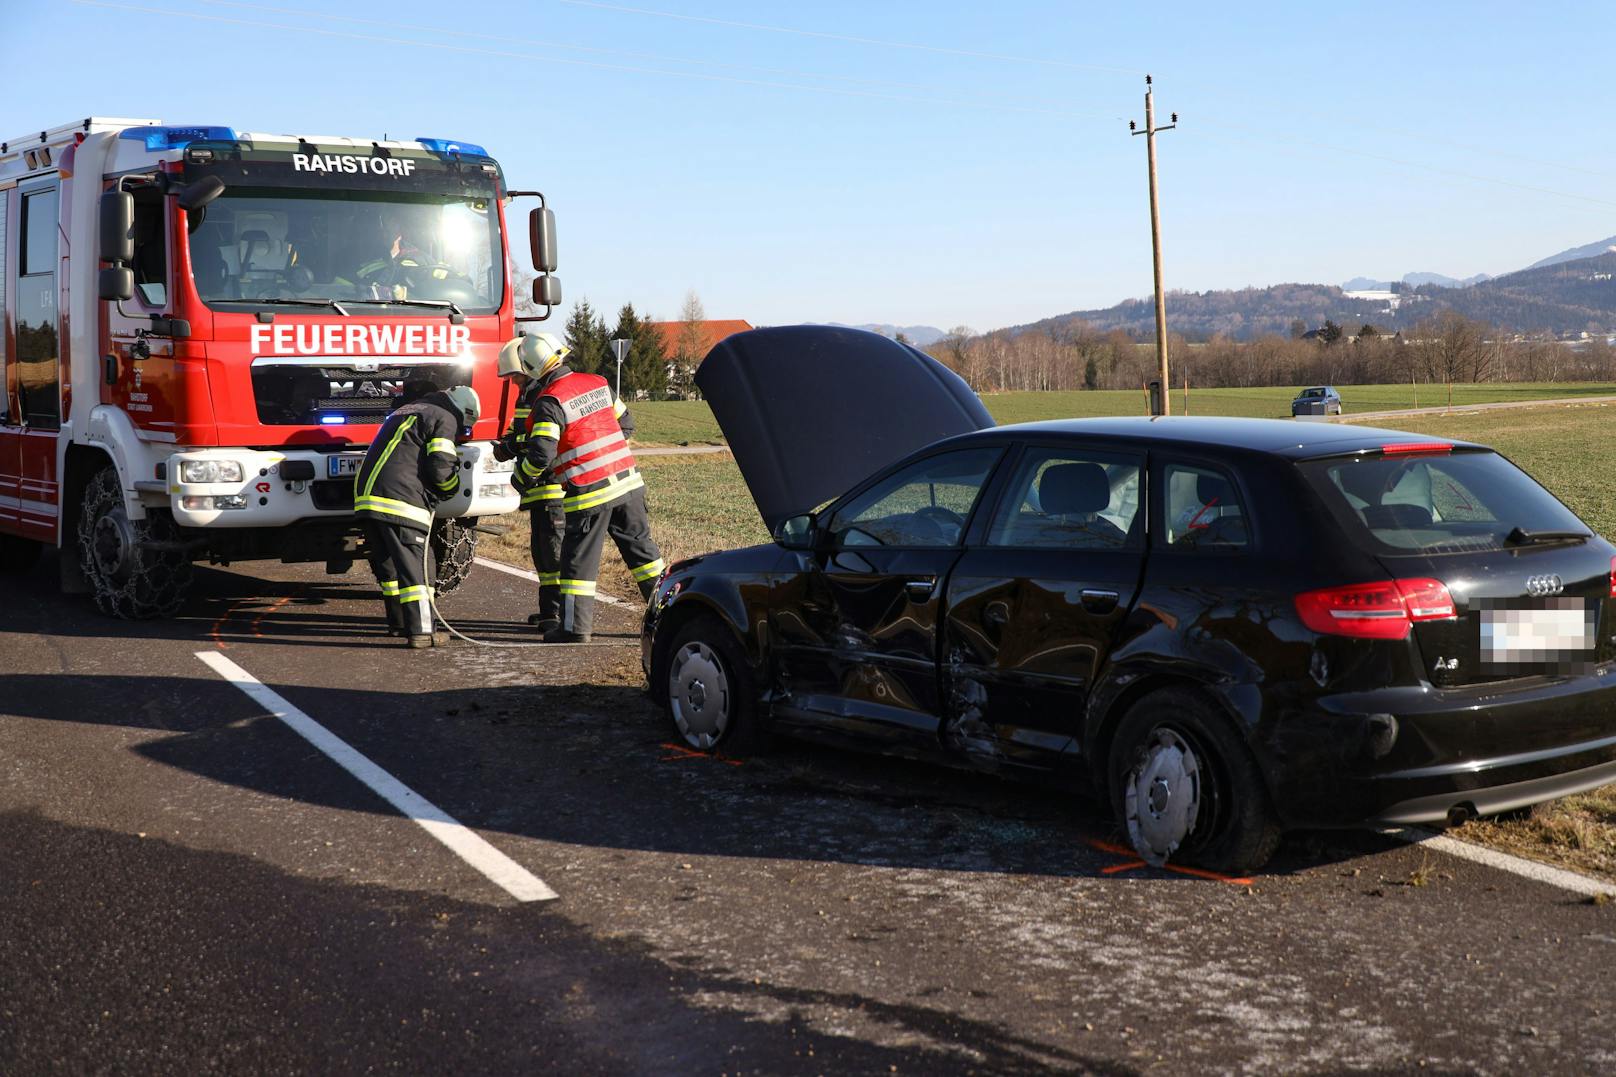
(464, 398)
(534, 355)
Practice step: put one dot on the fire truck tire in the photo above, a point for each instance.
(454, 550)
(18, 554)
(129, 580)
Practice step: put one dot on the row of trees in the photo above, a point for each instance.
(650, 371)
(1445, 348)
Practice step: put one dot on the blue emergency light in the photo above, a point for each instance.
(333, 420)
(175, 138)
(443, 147)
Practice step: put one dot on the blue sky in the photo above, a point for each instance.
(984, 178)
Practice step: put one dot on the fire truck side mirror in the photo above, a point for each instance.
(541, 236)
(117, 228)
(547, 292)
(194, 196)
(116, 283)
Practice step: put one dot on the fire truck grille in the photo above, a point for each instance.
(296, 395)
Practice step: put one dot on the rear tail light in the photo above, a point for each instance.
(1613, 577)
(1384, 610)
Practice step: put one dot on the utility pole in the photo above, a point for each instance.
(1155, 238)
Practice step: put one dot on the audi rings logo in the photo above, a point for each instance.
(1544, 586)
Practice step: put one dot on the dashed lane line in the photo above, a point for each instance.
(1515, 865)
(500, 566)
(465, 843)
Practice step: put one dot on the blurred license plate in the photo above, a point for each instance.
(343, 467)
(1563, 629)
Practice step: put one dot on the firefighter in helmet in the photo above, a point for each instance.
(412, 464)
(526, 360)
(578, 438)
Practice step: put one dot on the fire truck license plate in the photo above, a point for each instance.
(343, 467)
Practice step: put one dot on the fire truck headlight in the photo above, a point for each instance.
(210, 471)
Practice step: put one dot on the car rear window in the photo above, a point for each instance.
(1435, 504)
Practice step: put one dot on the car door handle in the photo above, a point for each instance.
(920, 589)
(1097, 601)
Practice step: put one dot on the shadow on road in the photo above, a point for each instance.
(592, 765)
(171, 959)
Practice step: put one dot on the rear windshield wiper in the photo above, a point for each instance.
(332, 303)
(437, 304)
(1522, 537)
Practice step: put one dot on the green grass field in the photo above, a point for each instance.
(690, 422)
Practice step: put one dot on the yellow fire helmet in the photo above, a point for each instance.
(534, 355)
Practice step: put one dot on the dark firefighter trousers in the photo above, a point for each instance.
(546, 524)
(629, 525)
(396, 556)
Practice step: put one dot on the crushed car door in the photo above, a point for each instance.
(1034, 608)
(858, 653)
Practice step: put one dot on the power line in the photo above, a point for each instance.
(992, 106)
(823, 35)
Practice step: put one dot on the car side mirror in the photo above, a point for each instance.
(797, 532)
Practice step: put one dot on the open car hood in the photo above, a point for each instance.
(810, 410)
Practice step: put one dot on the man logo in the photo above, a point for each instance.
(1544, 586)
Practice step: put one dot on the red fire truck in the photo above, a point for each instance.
(203, 327)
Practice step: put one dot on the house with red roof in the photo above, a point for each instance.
(710, 334)
(707, 334)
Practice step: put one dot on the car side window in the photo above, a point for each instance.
(1069, 499)
(1203, 510)
(925, 504)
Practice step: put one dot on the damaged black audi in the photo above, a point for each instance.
(1225, 628)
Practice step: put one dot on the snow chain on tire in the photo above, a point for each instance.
(454, 549)
(129, 580)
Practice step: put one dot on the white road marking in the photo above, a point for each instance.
(500, 566)
(1515, 865)
(500, 869)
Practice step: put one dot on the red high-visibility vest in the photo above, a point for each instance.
(592, 446)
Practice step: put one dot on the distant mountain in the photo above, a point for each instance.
(1591, 250)
(921, 336)
(1563, 298)
(1441, 281)
(1365, 284)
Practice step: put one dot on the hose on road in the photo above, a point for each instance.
(432, 599)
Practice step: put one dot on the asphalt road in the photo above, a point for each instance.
(188, 885)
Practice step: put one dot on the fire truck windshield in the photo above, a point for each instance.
(355, 246)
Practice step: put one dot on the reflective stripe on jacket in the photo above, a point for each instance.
(411, 465)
